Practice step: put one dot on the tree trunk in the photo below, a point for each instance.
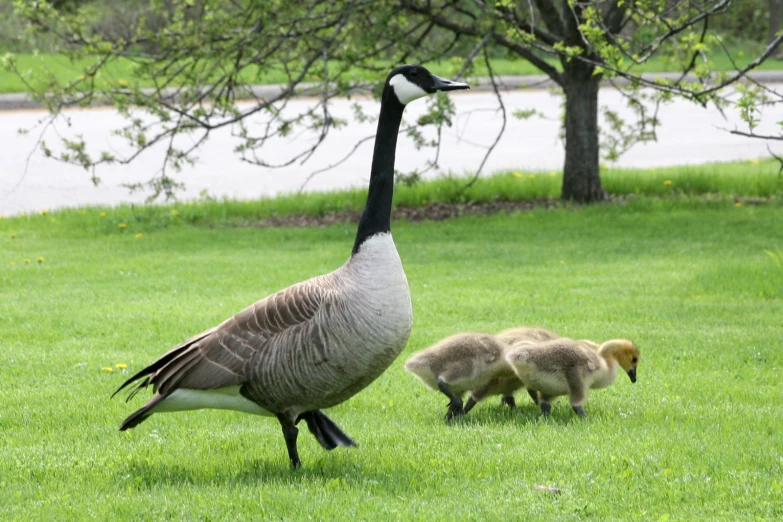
(775, 18)
(581, 176)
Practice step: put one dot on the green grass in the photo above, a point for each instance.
(740, 181)
(697, 438)
(122, 69)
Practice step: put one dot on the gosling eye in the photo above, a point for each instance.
(634, 359)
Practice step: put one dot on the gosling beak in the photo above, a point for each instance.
(632, 374)
(442, 84)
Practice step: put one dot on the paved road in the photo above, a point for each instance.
(689, 134)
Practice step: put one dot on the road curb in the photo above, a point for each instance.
(18, 101)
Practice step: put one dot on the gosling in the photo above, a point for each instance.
(508, 386)
(571, 367)
(464, 362)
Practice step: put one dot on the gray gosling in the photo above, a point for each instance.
(464, 362)
(570, 367)
(508, 386)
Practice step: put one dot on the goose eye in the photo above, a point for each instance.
(415, 72)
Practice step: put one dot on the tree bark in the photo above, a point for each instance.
(775, 19)
(581, 175)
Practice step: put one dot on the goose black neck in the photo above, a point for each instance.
(376, 217)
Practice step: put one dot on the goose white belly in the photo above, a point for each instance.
(227, 398)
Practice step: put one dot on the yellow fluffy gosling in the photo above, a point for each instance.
(463, 362)
(570, 367)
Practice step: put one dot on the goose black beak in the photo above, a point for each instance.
(442, 84)
(632, 374)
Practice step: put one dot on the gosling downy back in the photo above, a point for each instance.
(527, 334)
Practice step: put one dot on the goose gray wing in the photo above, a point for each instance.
(218, 357)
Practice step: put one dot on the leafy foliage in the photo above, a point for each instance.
(195, 60)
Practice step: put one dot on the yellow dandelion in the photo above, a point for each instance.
(12, 235)
(13, 263)
(26, 261)
(175, 212)
(517, 174)
(39, 259)
(738, 204)
(531, 176)
(552, 174)
(122, 82)
(108, 369)
(246, 202)
(82, 212)
(740, 53)
(652, 169)
(667, 182)
(123, 225)
(139, 235)
(44, 212)
(756, 161)
(120, 366)
(103, 214)
(2, 216)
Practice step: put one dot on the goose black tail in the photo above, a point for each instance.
(328, 434)
(140, 415)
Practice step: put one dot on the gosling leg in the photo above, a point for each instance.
(579, 411)
(455, 402)
(469, 404)
(545, 408)
(290, 433)
(509, 400)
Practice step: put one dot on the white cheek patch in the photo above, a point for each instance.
(405, 90)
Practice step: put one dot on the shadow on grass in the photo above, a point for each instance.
(266, 469)
(523, 414)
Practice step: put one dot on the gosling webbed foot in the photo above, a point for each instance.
(546, 408)
(579, 411)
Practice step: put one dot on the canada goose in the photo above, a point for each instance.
(317, 343)
(569, 367)
(464, 362)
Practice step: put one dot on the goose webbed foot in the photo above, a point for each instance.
(328, 434)
(579, 411)
(290, 433)
(545, 408)
(508, 400)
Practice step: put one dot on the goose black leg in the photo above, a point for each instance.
(455, 404)
(533, 395)
(509, 400)
(290, 433)
(545, 408)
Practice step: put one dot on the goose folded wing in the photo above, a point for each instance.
(217, 358)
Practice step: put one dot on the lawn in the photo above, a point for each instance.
(697, 283)
(123, 70)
